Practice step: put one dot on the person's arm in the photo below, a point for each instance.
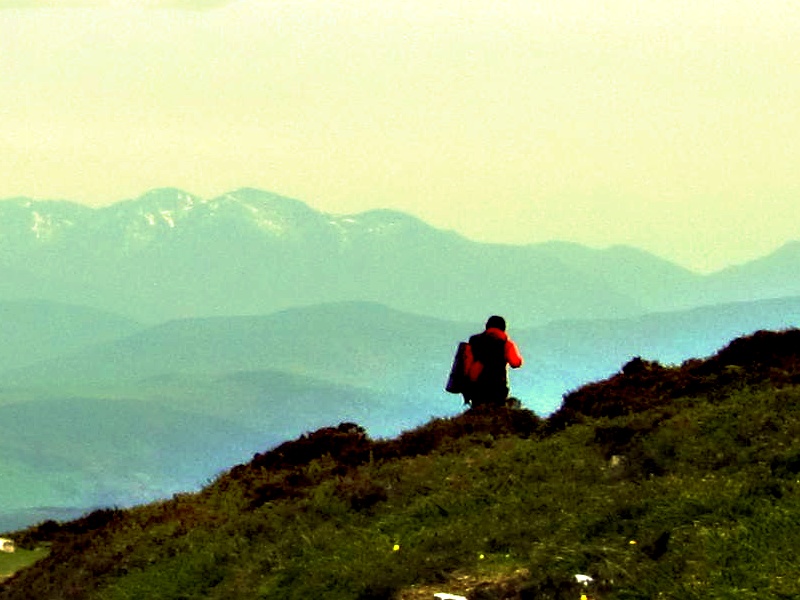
(513, 357)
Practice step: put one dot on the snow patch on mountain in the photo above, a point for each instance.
(264, 220)
(45, 226)
(167, 216)
(141, 221)
(343, 227)
(40, 225)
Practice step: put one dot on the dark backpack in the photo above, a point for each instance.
(458, 380)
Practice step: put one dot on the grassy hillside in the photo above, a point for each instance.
(10, 563)
(659, 482)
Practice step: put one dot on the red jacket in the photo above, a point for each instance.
(511, 353)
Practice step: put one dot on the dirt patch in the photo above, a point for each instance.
(471, 586)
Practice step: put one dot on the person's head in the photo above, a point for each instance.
(496, 322)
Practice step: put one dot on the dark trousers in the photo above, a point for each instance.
(479, 395)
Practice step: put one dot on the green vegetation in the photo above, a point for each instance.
(13, 562)
(661, 482)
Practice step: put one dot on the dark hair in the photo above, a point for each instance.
(496, 322)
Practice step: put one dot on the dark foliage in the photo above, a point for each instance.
(348, 446)
(487, 420)
(643, 385)
(762, 353)
(360, 493)
(546, 588)
(786, 466)
(658, 547)
(292, 485)
(347, 443)
(53, 531)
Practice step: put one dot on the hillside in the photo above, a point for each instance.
(660, 481)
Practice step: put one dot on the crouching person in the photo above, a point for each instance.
(480, 371)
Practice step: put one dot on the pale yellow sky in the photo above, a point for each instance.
(673, 126)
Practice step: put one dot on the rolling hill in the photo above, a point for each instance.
(36, 330)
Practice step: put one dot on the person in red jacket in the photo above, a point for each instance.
(487, 358)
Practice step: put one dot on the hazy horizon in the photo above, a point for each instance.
(354, 214)
(672, 127)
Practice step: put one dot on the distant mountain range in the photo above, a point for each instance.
(172, 255)
(204, 331)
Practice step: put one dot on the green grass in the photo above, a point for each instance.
(552, 506)
(693, 497)
(12, 562)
